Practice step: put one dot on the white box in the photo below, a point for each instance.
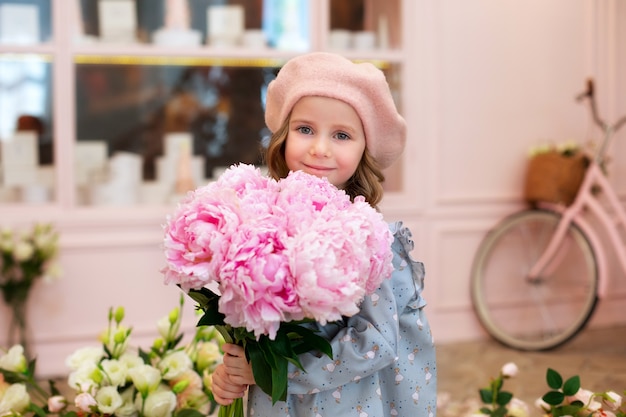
(20, 175)
(90, 161)
(173, 143)
(118, 20)
(21, 149)
(167, 169)
(225, 25)
(19, 23)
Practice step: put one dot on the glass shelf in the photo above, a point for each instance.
(126, 109)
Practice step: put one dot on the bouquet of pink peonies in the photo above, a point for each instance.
(278, 254)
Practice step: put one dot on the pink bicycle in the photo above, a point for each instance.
(538, 274)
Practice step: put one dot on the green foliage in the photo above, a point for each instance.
(495, 398)
(269, 358)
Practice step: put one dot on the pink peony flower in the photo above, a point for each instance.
(278, 250)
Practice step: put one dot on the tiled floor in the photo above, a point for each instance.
(598, 356)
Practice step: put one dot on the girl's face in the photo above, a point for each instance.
(325, 139)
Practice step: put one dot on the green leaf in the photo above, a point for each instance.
(553, 378)
(572, 410)
(485, 410)
(189, 412)
(282, 346)
(203, 296)
(279, 380)
(212, 317)
(499, 412)
(486, 396)
(571, 386)
(261, 369)
(310, 340)
(37, 410)
(503, 398)
(553, 397)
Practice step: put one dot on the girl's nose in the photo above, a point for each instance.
(320, 147)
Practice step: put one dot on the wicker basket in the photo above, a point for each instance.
(554, 177)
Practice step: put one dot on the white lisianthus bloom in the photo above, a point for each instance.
(175, 364)
(83, 378)
(518, 408)
(23, 251)
(130, 361)
(163, 325)
(509, 370)
(115, 371)
(85, 402)
(57, 403)
(45, 241)
(108, 399)
(128, 408)
(146, 378)
(159, 403)
(207, 379)
(15, 400)
(14, 360)
(82, 356)
(611, 401)
(208, 355)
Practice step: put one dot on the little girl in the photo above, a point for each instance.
(336, 119)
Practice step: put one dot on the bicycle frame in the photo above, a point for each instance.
(585, 199)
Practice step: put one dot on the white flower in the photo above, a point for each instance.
(518, 408)
(163, 325)
(57, 403)
(23, 251)
(15, 400)
(83, 356)
(115, 371)
(14, 360)
(207, 379)
(208, 355)
(611, 400)
(586, 397)
(130, 361)
(174, 364)
(145, 378)
(127, 409)
(85, 402)
(109, 400)
(509, 370)
(83, 378)
(159, 403)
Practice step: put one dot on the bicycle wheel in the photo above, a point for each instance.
(535, 314)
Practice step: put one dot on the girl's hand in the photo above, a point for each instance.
(237, 366)
(224, 390)
(231, 378)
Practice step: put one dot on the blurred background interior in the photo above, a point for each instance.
(105, 105)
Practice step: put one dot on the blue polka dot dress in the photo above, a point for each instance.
(384, 357)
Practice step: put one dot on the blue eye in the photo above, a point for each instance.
(342, 136)
(306, 130)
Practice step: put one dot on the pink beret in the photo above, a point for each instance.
(363, 86)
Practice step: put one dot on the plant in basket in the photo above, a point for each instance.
(554, 173)
(264, 257)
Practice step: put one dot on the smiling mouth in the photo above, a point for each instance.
(317, 168)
